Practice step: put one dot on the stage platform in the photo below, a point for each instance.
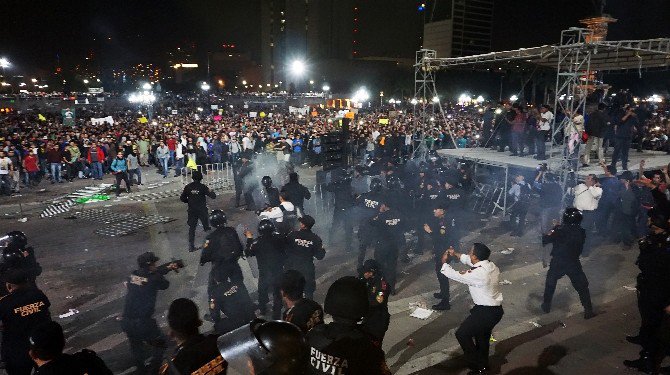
(653, 160)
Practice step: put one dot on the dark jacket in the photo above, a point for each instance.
(143, 286)
(568, 242)
(195, 195)
(596, 124)
(297, 193)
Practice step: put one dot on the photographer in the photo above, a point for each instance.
(137, 320)
(520, 192)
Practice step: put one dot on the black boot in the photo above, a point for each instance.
(443, 305)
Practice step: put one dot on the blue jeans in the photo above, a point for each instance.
(164, 165)
(178, 165)
(96, 169)
(55, 172)
(172, 153)
(137, 172)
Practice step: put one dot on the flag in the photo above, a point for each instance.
(41, 117)
(143, 120)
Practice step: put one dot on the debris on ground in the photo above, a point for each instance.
(505, 282)
(508, 251)
(71, 312)
(421, 313)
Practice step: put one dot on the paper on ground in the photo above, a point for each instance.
(421, 313)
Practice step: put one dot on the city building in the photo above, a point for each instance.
(458, 28)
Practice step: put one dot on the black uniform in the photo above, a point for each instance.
(197, 355)
(195, 195)
(342, 211)
(269, 252)
(445, 234)
(81, 363)
(240, 172)
(388, 230)
(305, 313)
(18, 260)
(653, 285)
(568, 241)
(376, 323)
(454, 198)
(297, 193)
(223, 248)
(230, 306)
(302, 247)
(138, 322)
(368, 206)
(20, 312)
(342, 349)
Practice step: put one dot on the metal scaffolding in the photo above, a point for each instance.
(575, 59)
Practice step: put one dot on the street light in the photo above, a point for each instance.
(244, 82)
(513, 98)
(298, 68)
(4, 63)
(436, 99)
(145, 86)
(325, 88)
(86, 81)
(205, 86)
(414, 101)
(361, 95)
(34, 80)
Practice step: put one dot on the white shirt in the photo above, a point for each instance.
(577, 124)
(586, 198)
(375, 134)
(482, 280)
(246, 143)
(5, 165)
(276, 213)
(546, 125)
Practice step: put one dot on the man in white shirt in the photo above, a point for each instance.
(587, 196)
(482, 280)
(6, 168)
(284, 215)
(546, 118)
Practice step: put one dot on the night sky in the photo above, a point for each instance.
(34, 33)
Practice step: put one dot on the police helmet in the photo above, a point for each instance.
(269, 347)
(347, 298)
(144, 260)
(371, 265)
(183, 316)
(266, 227)
(217, 218)
(394, 183)
(14, 240)
(572, 216)
(266, 181)
(196, 176)
(376, 185)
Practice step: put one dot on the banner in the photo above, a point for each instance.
(349, 115)
(298, 110)
(102, 120)
(143, 120)
(95, 90)
(383, 121)
(214, 106)
(68, 116)
(41, 117)
(217, 118)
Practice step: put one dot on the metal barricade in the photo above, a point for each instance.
(218, 176)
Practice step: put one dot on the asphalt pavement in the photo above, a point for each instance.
(84, 273)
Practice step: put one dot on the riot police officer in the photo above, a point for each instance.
(341, 347)
(195, 195)
(269, 194)
(230, 305)
(302, 247)
(303, 312)
(284, 214)
(343, 194)
(454, 195)
(388, 230)
(269, 251)
(568, 243)
(223, 249)
(137, 321)
(23, 309)
(195, 352)
(444, 230)
(296, 192)
(240, 172)
(368, 206)
(16, 254)
(376, 322)
(653, 294)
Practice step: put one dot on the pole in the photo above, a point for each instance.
(501, 87)
(208, 53)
